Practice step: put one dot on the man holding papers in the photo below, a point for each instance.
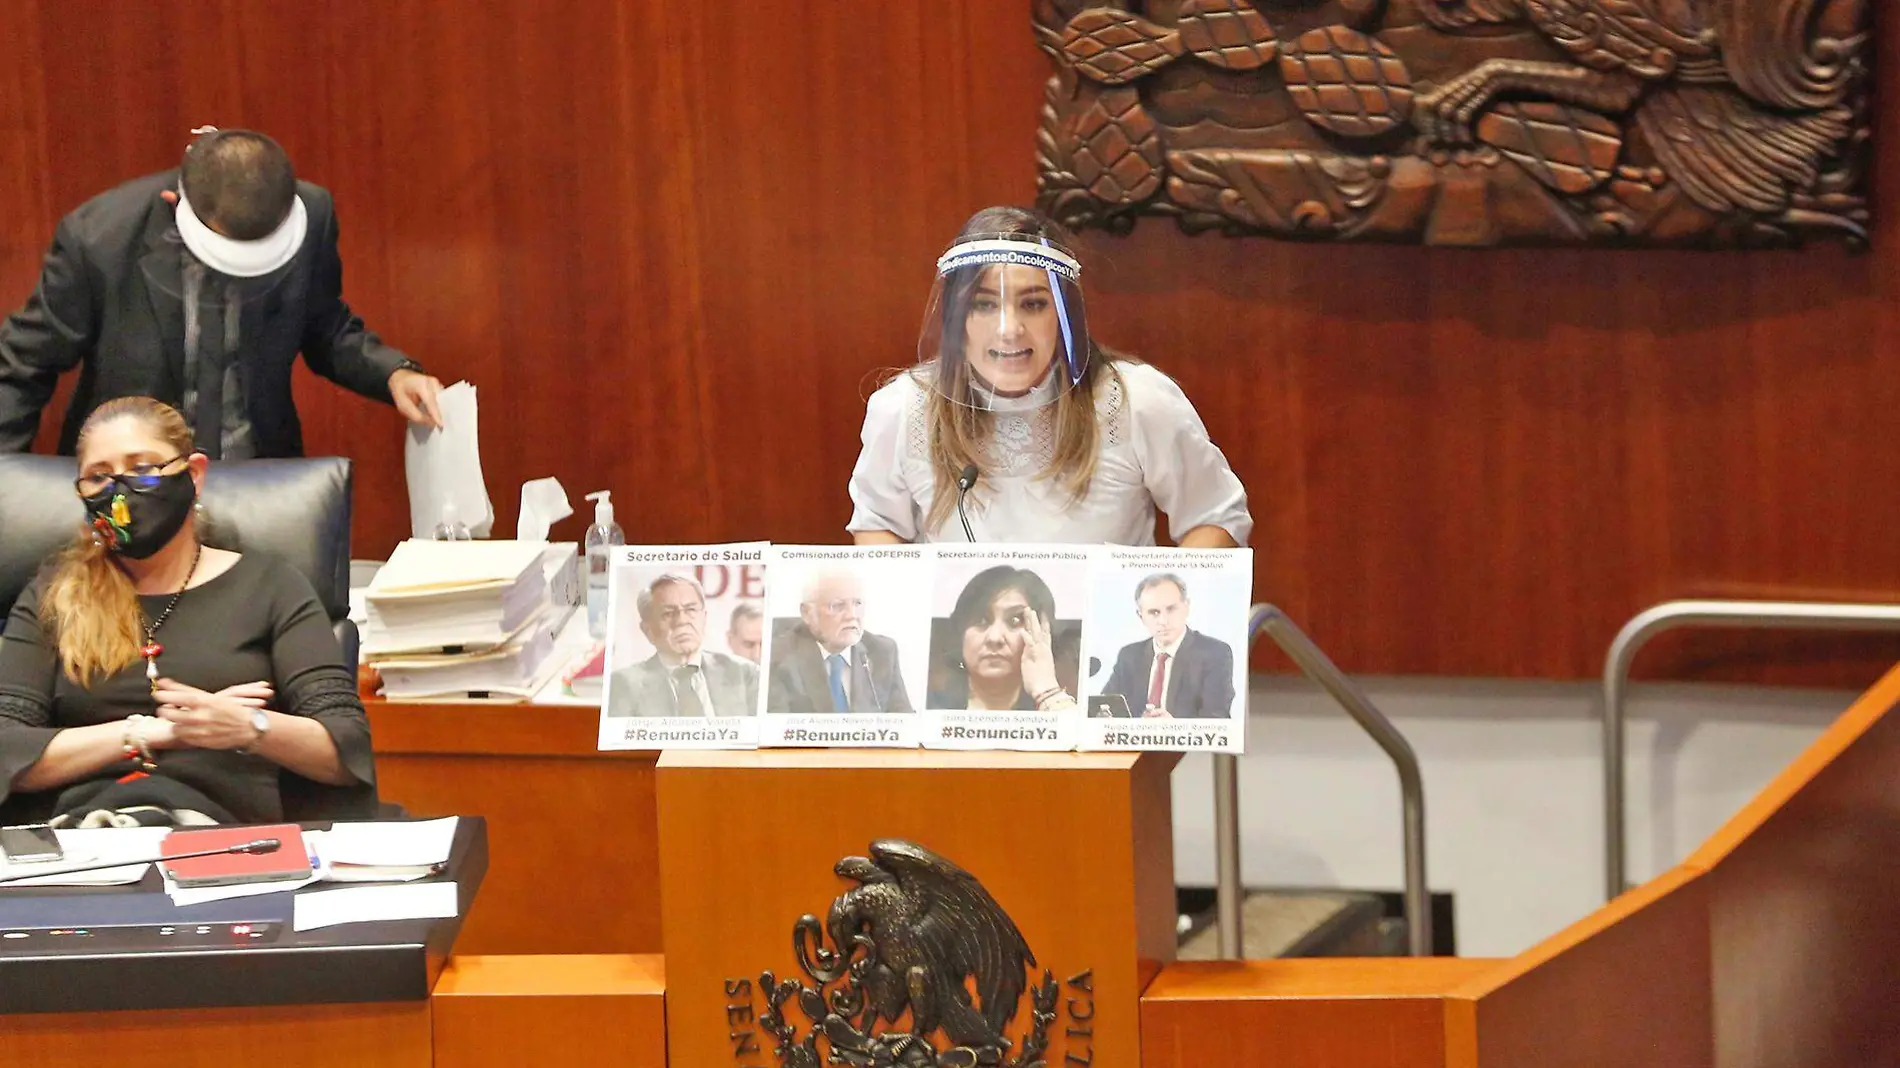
(200, 286)
(682, 677)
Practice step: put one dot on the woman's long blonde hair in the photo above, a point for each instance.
(960, 431)
(88, 603)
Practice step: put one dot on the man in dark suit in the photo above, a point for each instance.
(828, 662)
(682, 677)
(199, 286)
(1178, 673)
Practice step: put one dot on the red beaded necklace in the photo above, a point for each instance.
(151, 649)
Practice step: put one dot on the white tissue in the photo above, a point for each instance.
(543, 504)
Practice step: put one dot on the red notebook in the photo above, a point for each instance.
(290, 861)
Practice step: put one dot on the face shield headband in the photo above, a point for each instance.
(242, 259)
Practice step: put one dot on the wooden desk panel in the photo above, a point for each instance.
(1803, 913)
(572, 848)
(1626, 985)
(1294, 1013)
(509, 1012)
(383, 1035)
(749, 841)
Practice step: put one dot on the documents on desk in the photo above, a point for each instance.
(453, 620)
(385, 852)
(90, 846)
(363, 904)
(437, 595)
(388, 853)
(514, 669)
(386, 861)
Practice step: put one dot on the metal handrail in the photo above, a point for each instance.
(1672, 615)
(1321, 669)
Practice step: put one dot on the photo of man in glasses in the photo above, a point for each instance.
(682, 677)
(826, 662)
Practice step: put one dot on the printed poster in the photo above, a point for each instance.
(1005, 647)
(850, 645)
(1167, 650)
(686, 641)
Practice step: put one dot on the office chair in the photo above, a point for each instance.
(296, 509)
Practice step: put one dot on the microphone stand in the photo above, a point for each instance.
(965, 479)
(258, 847)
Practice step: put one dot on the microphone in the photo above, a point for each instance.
(257, 847)
(965, 480)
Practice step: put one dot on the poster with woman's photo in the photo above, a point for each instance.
(686, 638)
(850, 645)
(1005, 647)
(1167, 650)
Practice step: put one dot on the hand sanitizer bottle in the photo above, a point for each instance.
(601, 538)
(451, 528)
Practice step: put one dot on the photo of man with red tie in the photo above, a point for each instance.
(1178, 673)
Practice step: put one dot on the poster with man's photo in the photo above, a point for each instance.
(1006, 646)
(850, 645)
(686, 641)
(1167, 650)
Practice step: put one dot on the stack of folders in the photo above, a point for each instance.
(466, 620)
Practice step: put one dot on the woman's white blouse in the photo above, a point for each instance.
(1155, 453)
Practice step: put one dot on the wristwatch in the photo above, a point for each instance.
(260, 722)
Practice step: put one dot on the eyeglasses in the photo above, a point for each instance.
(675, 613)
(139, 478)
(841, 606)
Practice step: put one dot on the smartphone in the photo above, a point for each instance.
(31, 842)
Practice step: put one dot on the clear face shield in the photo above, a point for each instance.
(218, 273)
(1005, 328)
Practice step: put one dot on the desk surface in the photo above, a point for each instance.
(475, 728)
(205, 963)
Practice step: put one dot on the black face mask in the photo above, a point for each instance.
(136, 525)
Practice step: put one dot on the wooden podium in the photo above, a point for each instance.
(982, 860)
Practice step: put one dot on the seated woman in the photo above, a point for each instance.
(1061, 439)
(147, 677)
(1003, 656)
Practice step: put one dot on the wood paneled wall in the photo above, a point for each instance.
(673, 245)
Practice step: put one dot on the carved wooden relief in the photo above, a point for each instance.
(1713, 123)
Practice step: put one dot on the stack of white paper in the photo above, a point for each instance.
(444, 467)
(368, 904)
(451, 619)
(385, 852)
(515, 669)
(437, 596)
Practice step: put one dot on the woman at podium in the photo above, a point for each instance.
(1015, 412)
(147, 677)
